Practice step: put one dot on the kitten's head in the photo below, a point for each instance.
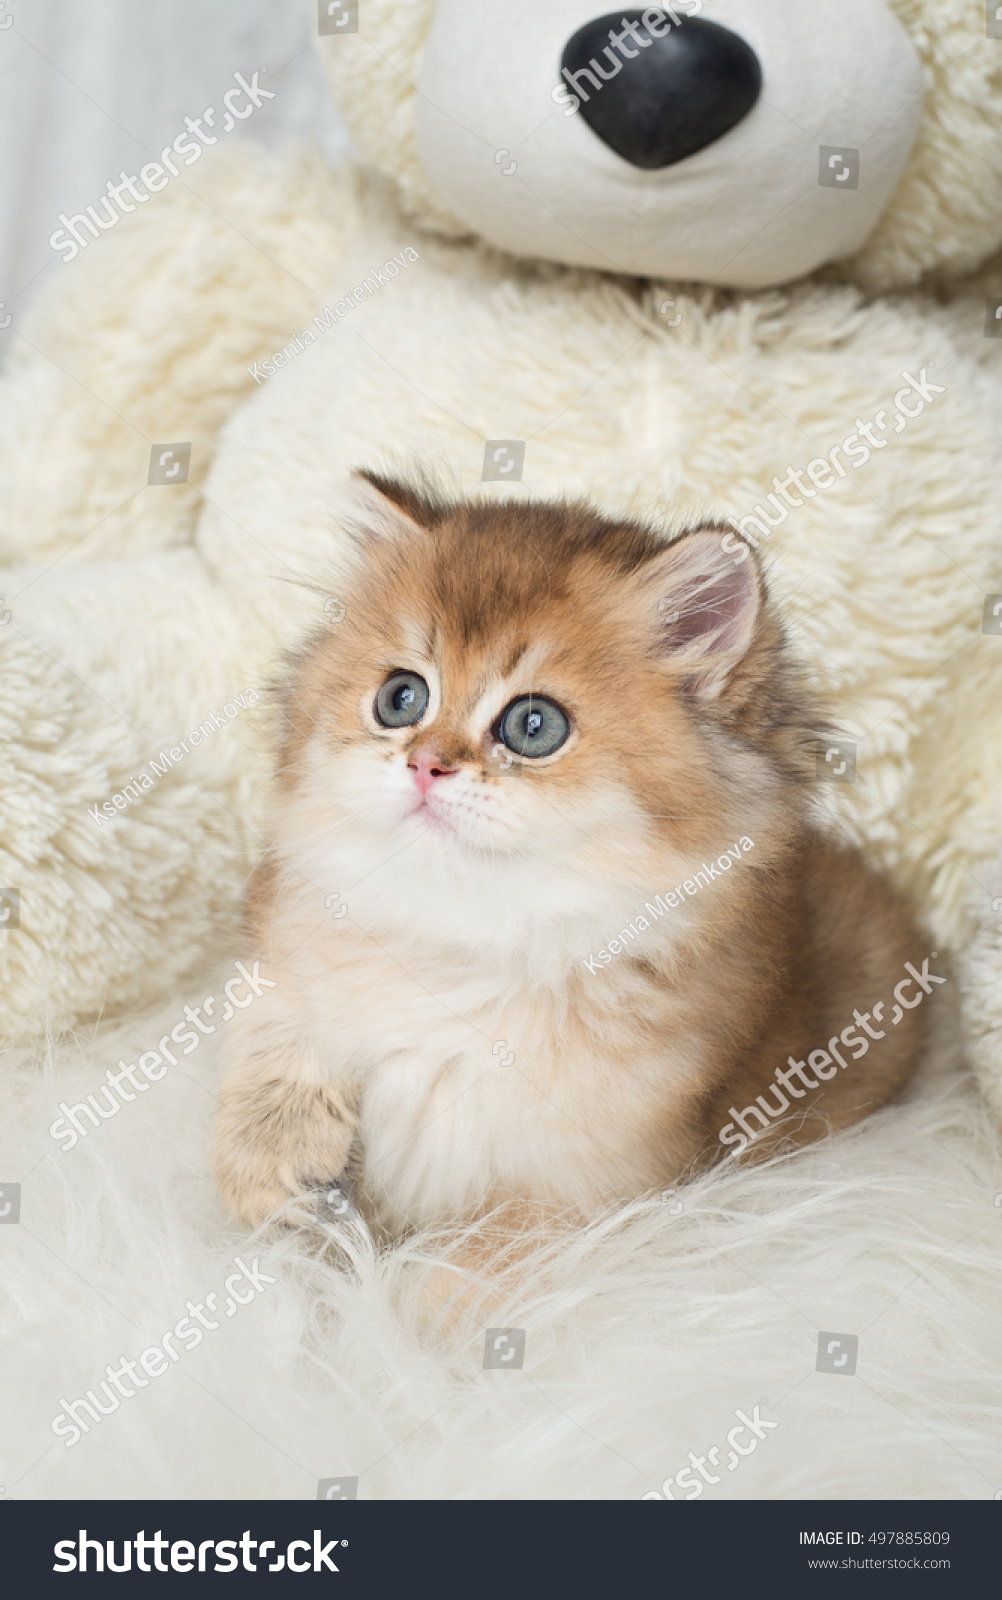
(532, 694)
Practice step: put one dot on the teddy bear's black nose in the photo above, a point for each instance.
(658, 91)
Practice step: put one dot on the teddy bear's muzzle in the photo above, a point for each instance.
(744, 146)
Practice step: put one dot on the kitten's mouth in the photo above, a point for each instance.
(455, 820)
(428, 815)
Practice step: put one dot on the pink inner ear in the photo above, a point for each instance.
(714, 613)
(708, 605)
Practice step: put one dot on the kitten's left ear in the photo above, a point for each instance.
(381, 511)
(705, 608)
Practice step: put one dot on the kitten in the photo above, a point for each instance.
(534, 728)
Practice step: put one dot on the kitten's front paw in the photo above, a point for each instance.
(275, 1142)
(252, 1198)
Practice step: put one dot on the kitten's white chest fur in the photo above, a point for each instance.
(481, 1085)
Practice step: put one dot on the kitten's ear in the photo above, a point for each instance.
(380, 511)
(706, 608)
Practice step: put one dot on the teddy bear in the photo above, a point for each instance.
(724, 262)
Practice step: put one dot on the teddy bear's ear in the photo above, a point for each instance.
(382, 511)
(703, 607)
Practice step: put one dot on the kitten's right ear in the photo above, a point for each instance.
(380, 511)
(708, 611)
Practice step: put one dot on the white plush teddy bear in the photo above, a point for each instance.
(573, 263)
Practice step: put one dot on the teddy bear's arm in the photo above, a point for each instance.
(147, 337)
(132, 734)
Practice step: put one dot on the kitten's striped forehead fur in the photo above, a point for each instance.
(665, 655)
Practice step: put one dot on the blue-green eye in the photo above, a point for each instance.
(533, 727)
(402, 701)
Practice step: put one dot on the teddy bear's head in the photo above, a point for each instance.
(734, 142)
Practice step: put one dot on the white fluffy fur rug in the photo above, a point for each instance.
(643, 1338)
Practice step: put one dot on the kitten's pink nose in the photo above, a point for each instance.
(426, 767)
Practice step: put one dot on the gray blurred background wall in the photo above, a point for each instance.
(88, 87)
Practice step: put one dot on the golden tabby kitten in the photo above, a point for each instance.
(550, 778)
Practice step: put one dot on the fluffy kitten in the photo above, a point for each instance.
(531, 723)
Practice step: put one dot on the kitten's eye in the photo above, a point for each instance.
(402, 701)
(533, 727)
